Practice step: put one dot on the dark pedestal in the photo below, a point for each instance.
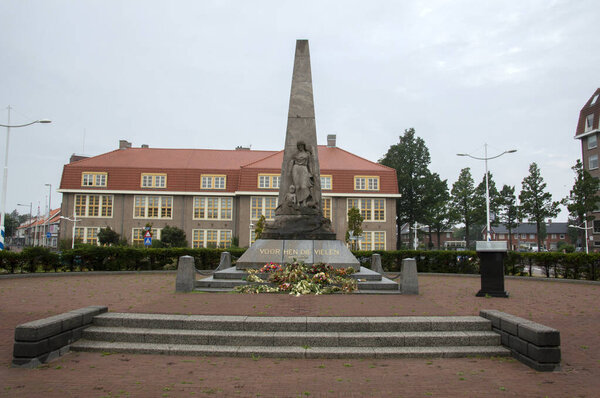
(491, 259)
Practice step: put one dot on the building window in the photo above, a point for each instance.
(370, 209)
(137, 235)
(262, 205)
(93, 205)
(212, 208)
(597, 226)
(89, 179)
(211, 238)
(152, 206)
(594, 99)
(326, 182)
(593, 162)
(327, 208)
(500, 236)
(154, 180)
(531, 236)
(589, 122)
(269, 181)
(213, 181)
(87, 235)
(372, 240)
(553, 236)
(366, 183)
(592, 141)
(562, 236)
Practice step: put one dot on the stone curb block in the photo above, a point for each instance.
(535, 345)
(43, 340)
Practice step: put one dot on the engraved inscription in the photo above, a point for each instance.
(270, 251)
(327, 252)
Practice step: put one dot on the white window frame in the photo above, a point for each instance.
(161, 198)
(94, 179)
(222, 240)
(593, 162)
(268, 181)
(153, 180)
(220, 208)
(213, 181)
(372, 209)
(589, 122)
(100, 205)
(326, 182)
(369, 236)
(263, 207)
(85, 235)
(366, 183)
(592, 141)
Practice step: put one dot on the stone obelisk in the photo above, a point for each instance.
(299, 231)
(299, 214)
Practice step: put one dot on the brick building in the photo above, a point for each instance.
(587, 131)
(216, 195)
(524, 237)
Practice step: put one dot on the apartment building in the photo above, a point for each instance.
(216, 195)
(524, 237)
(587, 131)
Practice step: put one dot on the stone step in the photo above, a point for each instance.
(290, 352)
(291, 339)
(293, 324)
(233, 273)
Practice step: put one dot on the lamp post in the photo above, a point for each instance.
(485, 158)
(74, 220)
(30, 217)
(416, 238)
(49, 212)
(5, 174)
(585, 228)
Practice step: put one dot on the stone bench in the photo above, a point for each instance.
(43, 340)
(535, 345)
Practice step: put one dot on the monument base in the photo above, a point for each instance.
(263, 251)
(299, 227)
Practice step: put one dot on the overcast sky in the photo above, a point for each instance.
(217, 74)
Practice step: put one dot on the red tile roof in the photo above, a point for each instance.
(184, 168)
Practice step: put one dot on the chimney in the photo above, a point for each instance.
(331, 140)
(75, 157)
(145, 146)
(124, 144)
(242, 148)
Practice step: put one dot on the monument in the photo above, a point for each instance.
(299, 230)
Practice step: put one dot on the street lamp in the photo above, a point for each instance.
(585, 228)
(30, 217)
(416, 238)
(5, 174)
(487, 184)
(74, 220)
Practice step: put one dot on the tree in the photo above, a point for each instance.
(536, 204)
(107, 236)
(259, 227)
(11, 223)
(173, 237)
(437, 211)
(410, 157)
(508, 211)
(355, 220)
(583, 198)
(463, 201)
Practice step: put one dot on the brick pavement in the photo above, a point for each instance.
(571, 308)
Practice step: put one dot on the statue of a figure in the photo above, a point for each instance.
(302, 175)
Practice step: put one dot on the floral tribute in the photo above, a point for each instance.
(298, 279)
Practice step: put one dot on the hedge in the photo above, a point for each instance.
(124, 258)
